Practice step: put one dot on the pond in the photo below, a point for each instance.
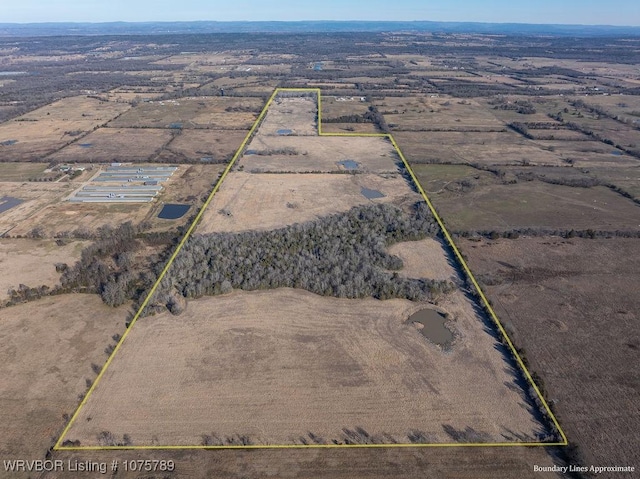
(349, 164)
(431, 324)
(173, 212)
(7, 202)
(371, 194)
(284, 131)
(85, 145)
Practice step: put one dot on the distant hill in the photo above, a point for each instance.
(149, 28)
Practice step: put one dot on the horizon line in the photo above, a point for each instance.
(472, 22)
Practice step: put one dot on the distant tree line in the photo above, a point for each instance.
(343, 255)
(516, 233)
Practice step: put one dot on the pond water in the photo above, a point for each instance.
(284, 131)
(8, 202)
(616, 152)
(85, 145)
(349, 164)
(371, 194)
(8, 142)
(173, 212)
(431, 325)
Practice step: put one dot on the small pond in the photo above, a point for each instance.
(431, 324)
(284, 131)
(349, 164)
(173, 212)
(8, 202)
(371, 194)
(85, 145)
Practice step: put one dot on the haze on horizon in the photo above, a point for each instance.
(584, 12)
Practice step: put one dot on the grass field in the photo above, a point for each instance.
(21, 171)
(46, 351)
(197, 144)
(573, 306)
(116, 144)
(46, 129)
(410, 463)
(427, 113)
(248, 201)
(280, 366)
(224, 113)
(296, 114)
(32, 262)
(493, 148)
(318, 154)
(486, 204)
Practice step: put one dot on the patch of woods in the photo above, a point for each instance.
(115, 265)
(524, 107)
(342, 255)
(372, 115)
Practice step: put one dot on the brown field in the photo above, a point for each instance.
(491, 148)
(349, 128)
(311, 366)
(35, 196)
(573, 306)
(626, 178)
(189, 184)
(46, 129)
(437, 113)
(298, 114)
(198, 112)
(335, 107)
(413, 254)
(625, 106)
(32, 262)
(116, 144)
(532, 204)
(196, 144)
(21, 171)
(406, 463)
(248, 201)
(588, 154)
(46, 351)
(319, 154)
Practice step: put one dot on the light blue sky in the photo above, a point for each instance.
(610, 12)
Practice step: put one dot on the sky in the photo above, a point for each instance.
(589, 12)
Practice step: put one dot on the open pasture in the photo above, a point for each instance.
(107, 145)
(573, 307)
(314, 370)
(437, 113)
(47, 348)
(193, 145)
(33, 262)
(485, 148)
(222, 113)
(319, 154)
(484, 206)
(248, 201)
(291, 116)
(43, 131)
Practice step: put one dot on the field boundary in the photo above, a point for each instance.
(564, 442)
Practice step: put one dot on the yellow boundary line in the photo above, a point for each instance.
(59, 447)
